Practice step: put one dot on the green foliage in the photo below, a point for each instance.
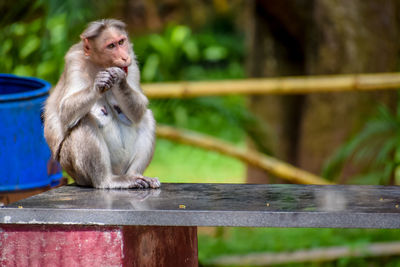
(179, 54)
(376, 150)
(242, 241)
(35, 45)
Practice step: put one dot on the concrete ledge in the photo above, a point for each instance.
(336, 206)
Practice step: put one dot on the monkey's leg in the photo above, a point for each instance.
(85, 156)
(144, 145)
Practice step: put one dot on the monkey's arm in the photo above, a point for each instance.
(80, 96)
(76, 106)
(129, 96)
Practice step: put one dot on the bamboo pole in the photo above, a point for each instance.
(284, 85)
(313, 255)
(252, 157)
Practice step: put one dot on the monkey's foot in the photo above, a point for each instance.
(140, 181)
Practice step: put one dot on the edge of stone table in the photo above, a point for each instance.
(268, 205)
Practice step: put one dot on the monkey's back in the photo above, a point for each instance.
(54, 131)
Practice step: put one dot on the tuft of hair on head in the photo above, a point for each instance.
(96, 27)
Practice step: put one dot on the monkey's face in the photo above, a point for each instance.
(112, 49)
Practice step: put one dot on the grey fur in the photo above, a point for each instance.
(96, 27)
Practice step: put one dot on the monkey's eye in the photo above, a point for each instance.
(110, 46)
(121, 42)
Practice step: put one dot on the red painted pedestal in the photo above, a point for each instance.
(92, 246)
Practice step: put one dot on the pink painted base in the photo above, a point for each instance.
(76, 245)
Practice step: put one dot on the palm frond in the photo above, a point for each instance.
(373, 147)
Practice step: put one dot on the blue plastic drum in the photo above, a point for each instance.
(24, 155)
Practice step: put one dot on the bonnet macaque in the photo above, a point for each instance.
(97, 123)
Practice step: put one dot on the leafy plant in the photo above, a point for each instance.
(178, 54)
(36, 40)
(375, 149)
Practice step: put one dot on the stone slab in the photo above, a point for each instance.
(338, 206)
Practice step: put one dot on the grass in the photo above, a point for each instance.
(176, 163)
(219, 241)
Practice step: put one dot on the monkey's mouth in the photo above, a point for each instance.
(125, 69)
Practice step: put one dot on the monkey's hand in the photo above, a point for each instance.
(108, 78)
(117, 74)
(103, 81)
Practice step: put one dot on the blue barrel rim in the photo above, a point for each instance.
(43, 88)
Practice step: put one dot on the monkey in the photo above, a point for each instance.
(96, 119)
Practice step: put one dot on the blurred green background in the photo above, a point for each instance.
(348, 138)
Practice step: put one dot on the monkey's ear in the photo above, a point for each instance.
(86, 46)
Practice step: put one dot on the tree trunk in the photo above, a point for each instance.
(318, 37)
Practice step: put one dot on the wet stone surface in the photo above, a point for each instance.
(214, 205)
